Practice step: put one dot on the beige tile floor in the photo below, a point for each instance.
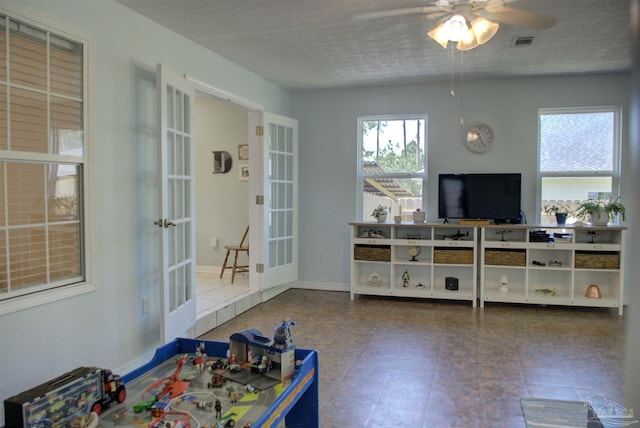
(214, 293)
(438, 364)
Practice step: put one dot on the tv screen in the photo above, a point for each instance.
(479, 196)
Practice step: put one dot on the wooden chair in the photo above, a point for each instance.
(237, 249)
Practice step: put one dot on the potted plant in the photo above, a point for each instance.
(380, 213)
(418, 216)
(560, 211)
(601, 211)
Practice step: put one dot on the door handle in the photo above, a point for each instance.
(164, 223)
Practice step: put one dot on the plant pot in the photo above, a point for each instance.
(381, 218)
(561, 218)
(418, 216)
(599, 217)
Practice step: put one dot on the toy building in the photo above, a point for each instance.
(252, 347)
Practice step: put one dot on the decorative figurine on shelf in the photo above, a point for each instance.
(414, 251)
(502, 233)
(504, 284)
(405, 279)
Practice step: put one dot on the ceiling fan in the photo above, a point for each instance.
(468, 22)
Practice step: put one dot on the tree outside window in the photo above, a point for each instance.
(393, 164)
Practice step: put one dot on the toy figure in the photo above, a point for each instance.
(218, 407)
(282, 334)
(405, 279)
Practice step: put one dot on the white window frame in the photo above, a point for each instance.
(360, 161)
(48, 294)
(617, 145)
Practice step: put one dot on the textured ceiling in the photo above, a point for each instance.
(309, 44)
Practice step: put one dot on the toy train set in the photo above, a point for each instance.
(252, 381)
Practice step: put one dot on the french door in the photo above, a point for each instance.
(275, 145)
(177, 203)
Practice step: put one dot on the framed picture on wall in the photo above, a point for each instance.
(243, 152)
(244, 171)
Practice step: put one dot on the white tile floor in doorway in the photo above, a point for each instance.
(218, 300)
(215, 293)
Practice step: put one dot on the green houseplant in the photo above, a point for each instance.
(560, 211)
(601, 211)
(380, 213)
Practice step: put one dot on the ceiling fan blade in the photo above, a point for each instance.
(396, 12)
(436, 15)
(517, 17)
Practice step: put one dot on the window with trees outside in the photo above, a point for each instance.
(42, 163)
(579, 156)
(392, 164)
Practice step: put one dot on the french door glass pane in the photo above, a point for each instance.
(280, 174)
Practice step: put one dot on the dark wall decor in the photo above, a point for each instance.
(221, 162)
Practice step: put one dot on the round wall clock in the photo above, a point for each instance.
(480, 138)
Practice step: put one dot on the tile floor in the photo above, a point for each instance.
(214, 293)
(408, 363)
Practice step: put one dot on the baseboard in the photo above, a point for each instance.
(322, 286)
(208, 269)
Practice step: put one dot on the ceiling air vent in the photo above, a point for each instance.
(522, 41)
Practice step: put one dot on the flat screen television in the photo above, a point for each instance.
(480, 196)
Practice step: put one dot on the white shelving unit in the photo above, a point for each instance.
(381, 254)
(553, 271)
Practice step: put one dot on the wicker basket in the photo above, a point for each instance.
(453, 256)
(597, 260)
(505, 257)
(373, 253)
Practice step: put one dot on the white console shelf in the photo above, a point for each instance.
(543, 264)
(383, 252)
(552, 264)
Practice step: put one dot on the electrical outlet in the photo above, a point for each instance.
(321, 256)
(214, 242)
(145, 305)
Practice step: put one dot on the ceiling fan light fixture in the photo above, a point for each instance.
(457, 28)
(454, 29)
(468, 42)
(484, 29)
(439, 34)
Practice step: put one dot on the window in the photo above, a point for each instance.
(579, 156)
(392, 164)
(42, 162)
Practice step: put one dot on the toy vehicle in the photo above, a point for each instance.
(60, 401)
(230, 421)
(141, 406)
(172, 420)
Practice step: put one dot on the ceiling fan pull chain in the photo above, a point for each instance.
(461, 88)
(453, 92)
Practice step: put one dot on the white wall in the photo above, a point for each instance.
(106, 328)
(222, 200)
(328, 147)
